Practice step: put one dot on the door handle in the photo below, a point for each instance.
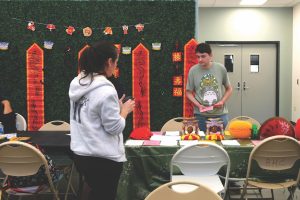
(244, 86)
(238, 86)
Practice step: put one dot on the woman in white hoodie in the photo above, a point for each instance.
(97, 119)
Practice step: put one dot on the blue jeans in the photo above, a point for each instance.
(202, 121)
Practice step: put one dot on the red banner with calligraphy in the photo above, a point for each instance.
(35, 87)
(140, 86)
(190, 59)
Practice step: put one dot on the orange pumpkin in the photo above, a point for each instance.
(240, 129)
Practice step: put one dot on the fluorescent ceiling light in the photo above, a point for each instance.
(253, 2)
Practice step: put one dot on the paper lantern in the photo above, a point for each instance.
(276, 126)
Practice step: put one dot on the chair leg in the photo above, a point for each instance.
(69, 182)
(272, 193)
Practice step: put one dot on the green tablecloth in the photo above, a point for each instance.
(149, 167)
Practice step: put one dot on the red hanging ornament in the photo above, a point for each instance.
(176, 56)
(108, 31)
(116, 72)
(70, 30)
(51, 27)
(139, 27)
(125, 29)
(118, 47)
(31, 26)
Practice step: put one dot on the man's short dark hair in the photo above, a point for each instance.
(203, 48)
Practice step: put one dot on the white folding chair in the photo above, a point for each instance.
(22, 159)
(56, 125)
(274, 154)
(21, 124)
(174, 124)
(201, 163)
(167, 191)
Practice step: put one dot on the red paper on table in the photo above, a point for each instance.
(140, 86)
(190, 60)
(35, 87)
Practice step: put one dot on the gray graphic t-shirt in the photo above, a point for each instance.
(208, 85)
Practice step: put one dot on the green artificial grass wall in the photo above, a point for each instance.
(169, 21)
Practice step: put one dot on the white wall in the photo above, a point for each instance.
(255, 24)
(296, 64)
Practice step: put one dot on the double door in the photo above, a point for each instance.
(252, 71)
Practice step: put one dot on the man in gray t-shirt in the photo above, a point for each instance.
(205, 87)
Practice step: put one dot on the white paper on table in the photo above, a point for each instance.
(172, 133)
(230, 143)
(156, 137)
(10, 135)
(134, 142)
(170, 138)
(168, 143)
(187, 142)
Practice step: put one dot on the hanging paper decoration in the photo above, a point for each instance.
(177, 91)
(70, 30)
(48, 44)
(139, 27)
(126, 50)
(35, 87)
(156, 46)
(190, 60)
(125, 29)
(87, 31)
(108, 31)
(4, 45)
(140, 86)
(79, 54)
(118, 47)
(31, 26)
(116, 72)
(177, 80)
(51, 27)
(176, 56)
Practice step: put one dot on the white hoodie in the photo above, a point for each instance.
(96, 123)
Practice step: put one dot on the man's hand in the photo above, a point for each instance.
(219, 104)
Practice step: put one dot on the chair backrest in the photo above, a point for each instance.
(20, 159)
(174, 124)
(56, 125)
(167, 192)
(244, 118)
(21, 124)
(200, 159)
(275, 153)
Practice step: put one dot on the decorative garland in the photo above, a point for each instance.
(35, 87)
(190, 60)
(140, 86)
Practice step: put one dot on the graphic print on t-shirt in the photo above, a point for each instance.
(209, 90)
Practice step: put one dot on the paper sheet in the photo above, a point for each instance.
(187, 142)
(172, 133)
(168, 143)
(151, 143)
(230, 143)
(134, 142)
